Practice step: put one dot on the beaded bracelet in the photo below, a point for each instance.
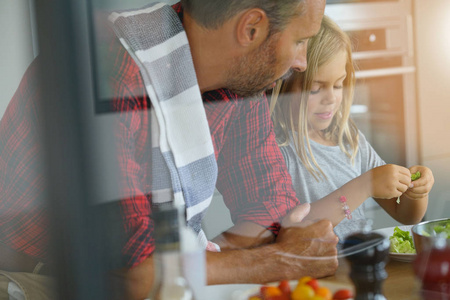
(345, 207)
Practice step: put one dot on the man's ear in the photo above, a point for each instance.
(252, 27)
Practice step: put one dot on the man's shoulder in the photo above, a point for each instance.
(122, 62)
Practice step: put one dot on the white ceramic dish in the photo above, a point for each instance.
(388, 232)
(333, 286)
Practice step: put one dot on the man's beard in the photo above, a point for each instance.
(251, 75)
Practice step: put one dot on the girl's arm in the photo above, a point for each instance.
(386, 182)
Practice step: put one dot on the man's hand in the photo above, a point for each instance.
(302, 248)
(306, 248)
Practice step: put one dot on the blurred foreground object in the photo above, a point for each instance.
(367, 253)
(432, 268)
(176, 249)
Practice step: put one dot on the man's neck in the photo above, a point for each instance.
(212, 53)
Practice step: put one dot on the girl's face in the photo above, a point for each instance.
(325, 96)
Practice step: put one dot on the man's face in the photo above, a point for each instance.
(278, 55)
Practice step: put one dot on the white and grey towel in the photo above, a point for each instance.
(183, 162)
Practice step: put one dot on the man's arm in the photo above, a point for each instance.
(132, 135)
(133, 283)
(300, 249)
(244, 235)
(297, 252)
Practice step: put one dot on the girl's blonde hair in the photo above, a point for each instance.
(329, 41)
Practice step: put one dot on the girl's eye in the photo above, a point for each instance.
(314, 92)
(338, 87)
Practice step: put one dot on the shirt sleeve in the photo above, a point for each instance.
(131, 105)
(369, 157)
(24, 205)
(253, 178)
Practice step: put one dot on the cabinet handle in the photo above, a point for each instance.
(384, 72)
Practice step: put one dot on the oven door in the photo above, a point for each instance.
(384, 110)
(385, 101)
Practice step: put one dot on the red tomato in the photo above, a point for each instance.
(342, 294)
(313, 283)
(278, 297)
(285, 287)
(267, 292)
(325, 293)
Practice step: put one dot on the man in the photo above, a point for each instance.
(244, 48)
(238, 50)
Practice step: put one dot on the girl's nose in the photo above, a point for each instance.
(330, 96)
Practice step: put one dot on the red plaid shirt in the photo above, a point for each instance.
(252, 177)
(252, 174)
(24, 223)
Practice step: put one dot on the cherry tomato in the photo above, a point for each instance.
(324, 292)
(302, 292)
(342, 294)
(270, 291)
(278, 297)
(313, 283)
(304, 279)
(285, 287)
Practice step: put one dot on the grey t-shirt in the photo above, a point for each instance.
(338, 169)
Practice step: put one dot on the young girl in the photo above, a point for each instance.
(330, 161)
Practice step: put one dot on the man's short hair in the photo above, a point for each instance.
(212, 14)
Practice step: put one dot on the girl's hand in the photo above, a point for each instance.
(422, 186)
(388, 181)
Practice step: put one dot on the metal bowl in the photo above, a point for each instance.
(422, 241)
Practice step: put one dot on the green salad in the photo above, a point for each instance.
(442, 229)
(401, 242)
(415, 176)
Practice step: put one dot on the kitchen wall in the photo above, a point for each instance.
(16, 46)
(18, 40)
(432, 43)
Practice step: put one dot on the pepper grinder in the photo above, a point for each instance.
(367, 253)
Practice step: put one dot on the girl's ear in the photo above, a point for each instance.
(252, 27)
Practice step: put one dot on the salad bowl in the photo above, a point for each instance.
(427, 234)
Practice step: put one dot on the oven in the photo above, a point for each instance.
(385, 100)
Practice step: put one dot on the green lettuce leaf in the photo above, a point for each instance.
(415, 176)
(401, 242)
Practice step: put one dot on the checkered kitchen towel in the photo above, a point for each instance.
(182, 150)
